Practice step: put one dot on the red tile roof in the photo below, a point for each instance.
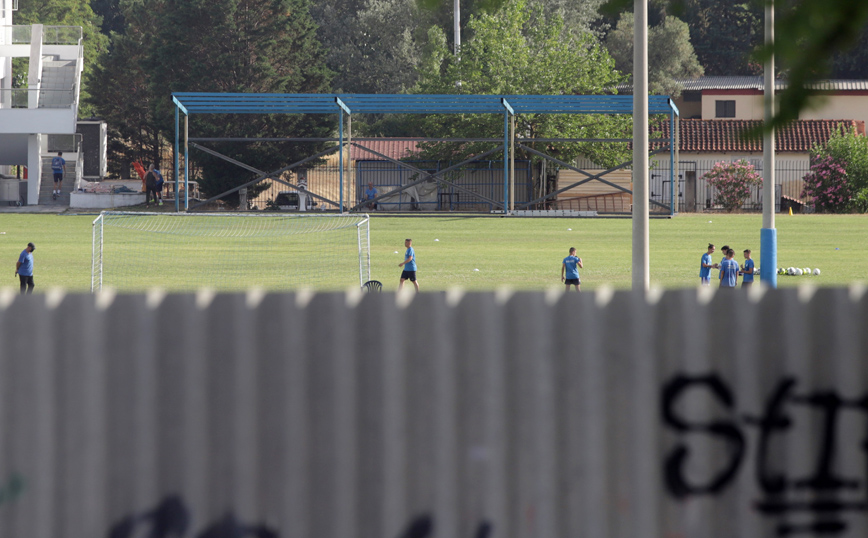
(396, 148)
(730, 136)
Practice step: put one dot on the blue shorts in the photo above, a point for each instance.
(705, 281)
(408, 275)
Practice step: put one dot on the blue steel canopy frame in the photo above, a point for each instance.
(508, 105)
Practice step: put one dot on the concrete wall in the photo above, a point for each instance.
(531, 416)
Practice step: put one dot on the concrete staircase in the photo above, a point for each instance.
(58, 83)
(46, 185)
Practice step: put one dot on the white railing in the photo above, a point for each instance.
(16, 34)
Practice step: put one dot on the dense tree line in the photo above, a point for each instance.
(137, 52)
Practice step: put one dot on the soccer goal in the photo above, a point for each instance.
(229, 251)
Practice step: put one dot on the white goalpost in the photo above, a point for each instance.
(229, 251)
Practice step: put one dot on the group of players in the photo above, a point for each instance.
(728, 268)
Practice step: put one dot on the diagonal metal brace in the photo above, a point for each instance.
(263, 175)
(591, 177)
(428, 175)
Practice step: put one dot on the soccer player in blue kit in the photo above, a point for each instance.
(409, 265)
(729, 271)
(747, 270)
(570, 270)
(705, 266)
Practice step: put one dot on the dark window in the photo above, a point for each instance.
(724, 109)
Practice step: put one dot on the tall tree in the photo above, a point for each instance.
(121, 93)
(520, 50)
(670, 54)
(238, 46)
(69, 13)
(112, 15)
(371, 46)
(724, 34)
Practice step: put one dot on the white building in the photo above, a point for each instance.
(39, 118)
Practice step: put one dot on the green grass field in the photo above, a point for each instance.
(521, 253)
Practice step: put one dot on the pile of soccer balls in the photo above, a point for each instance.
(798, 271)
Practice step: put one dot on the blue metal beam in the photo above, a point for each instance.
(255, 103)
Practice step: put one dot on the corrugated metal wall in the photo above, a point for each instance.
(530, 416)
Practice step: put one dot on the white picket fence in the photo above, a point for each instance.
(530, 416)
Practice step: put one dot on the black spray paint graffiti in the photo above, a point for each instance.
(833, 495)
(171, 519)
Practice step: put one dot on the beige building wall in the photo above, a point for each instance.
(747, 107)
(838, 107)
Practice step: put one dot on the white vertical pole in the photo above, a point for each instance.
(456, 25)
(641, 239)
(768, 234)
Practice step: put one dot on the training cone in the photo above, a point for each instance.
(791, 211)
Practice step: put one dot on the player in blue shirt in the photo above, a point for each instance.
(570, 270)
(747, 270)
(24, 269)
(729, 271)
(705, 266)
(409, 265)
(58, 166)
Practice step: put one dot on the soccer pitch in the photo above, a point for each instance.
(487, 253)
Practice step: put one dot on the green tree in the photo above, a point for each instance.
(121, 93)
(238, 46)
(518, 50)
(112, 15)
(670, 54)
(371, 46)
(724, 34)
(69, 13)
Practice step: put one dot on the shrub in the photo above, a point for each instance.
(827, 186)
(851, 150)
(733, 182)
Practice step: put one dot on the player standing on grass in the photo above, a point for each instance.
(705, 266)
(409, 265)
(729, 271)
(24, 269)
(570, 270)
(747, 270)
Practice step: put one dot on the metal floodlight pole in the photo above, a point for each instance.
(641, 240)
(768, 234)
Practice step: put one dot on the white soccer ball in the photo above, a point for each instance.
(816, 272)
(791, 271)
(808, 271)
(799, 272)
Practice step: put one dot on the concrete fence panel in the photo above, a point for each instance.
(488, 415)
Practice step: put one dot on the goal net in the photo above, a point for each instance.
(229, 251)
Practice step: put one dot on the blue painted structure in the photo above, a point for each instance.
(303, 103)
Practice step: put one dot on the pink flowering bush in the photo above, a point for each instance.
(827, 186)
(733, 182)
